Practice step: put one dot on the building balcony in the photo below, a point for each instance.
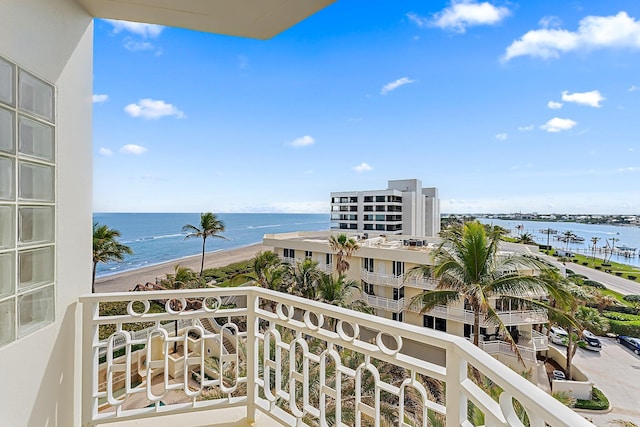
(509, 318)
(275, 359)
(397, 281)
(501, 347)
(539, 341)
(385, 303)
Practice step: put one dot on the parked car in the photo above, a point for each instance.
(592, 342)
(632, 343)
(559, 375)
(558, 335)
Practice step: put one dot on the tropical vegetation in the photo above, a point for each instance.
(210, 226)
(468, 269)
(344, 247)
(106, 248)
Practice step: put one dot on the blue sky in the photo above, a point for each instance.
(504, 106)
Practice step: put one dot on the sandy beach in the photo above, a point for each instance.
(127, 280)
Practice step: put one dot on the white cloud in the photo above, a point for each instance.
(629, 169)
(105, 152)
(502, 136)
(133, 149)
(594, 32)
(418, 20)
(362, 167)
(143, 30)
(633, 88)
(557, 125)
(97, 99)
(468, 13)
(526, 128)
(135, 46)
(395, 85)
(153, 109)
(592, 99)
(550, 22)
(303, 141)
(243, 62)
(554, 105)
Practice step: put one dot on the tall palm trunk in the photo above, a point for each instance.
(93, 281)
(204, 241)
(570, 352)
(476, 325)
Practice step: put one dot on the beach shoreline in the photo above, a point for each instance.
(127, 280)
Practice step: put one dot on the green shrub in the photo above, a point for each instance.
(618, 273)
(598, 267)
(631, 298)
(623, 309)
(584, 263)
(598, 402)
(570, 272)
(594, 284)
(630, 277)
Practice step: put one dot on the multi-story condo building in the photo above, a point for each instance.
(56, 368)
(403, 208)
(382, 265)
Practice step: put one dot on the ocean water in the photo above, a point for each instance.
(158, 237)
(625, 235)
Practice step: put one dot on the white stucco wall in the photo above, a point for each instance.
(40, 373)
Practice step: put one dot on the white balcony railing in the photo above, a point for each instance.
(385, 303)
(325, 268)
(502, 347)
(539, 341)
(509, 318)
(397, 281)
(294, 360)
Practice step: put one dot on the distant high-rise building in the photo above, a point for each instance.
(403, 208)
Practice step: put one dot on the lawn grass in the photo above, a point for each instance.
(615, 267)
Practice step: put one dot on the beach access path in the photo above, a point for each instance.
(127, 280)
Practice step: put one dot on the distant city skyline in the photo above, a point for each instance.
(503, 106)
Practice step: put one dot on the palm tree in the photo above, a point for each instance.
(340, 292)
(210, 226)
(106, 248)
(467, 268)
(303, 278)
(527, 239)
(594, 243)
(344, 247)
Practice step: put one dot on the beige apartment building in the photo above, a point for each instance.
(403, 208)
(382, 265)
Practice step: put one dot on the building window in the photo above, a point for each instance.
(27, 202)
(398, 293)
(368, 199)
(328, 258)
(398, 268)
(398, 316)
(308, 254)
(368, 264)
(368, 288)
(468, 331)
(289, 253)
(434, 323)
(380, 198)
(380, 227)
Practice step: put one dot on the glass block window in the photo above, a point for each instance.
(27, 202)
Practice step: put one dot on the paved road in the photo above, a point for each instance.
(615, 283)
(615, 371)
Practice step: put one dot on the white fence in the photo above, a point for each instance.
(297, 361)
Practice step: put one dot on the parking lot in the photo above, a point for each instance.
(615, 371)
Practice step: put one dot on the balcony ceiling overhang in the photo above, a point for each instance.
(260, 19)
